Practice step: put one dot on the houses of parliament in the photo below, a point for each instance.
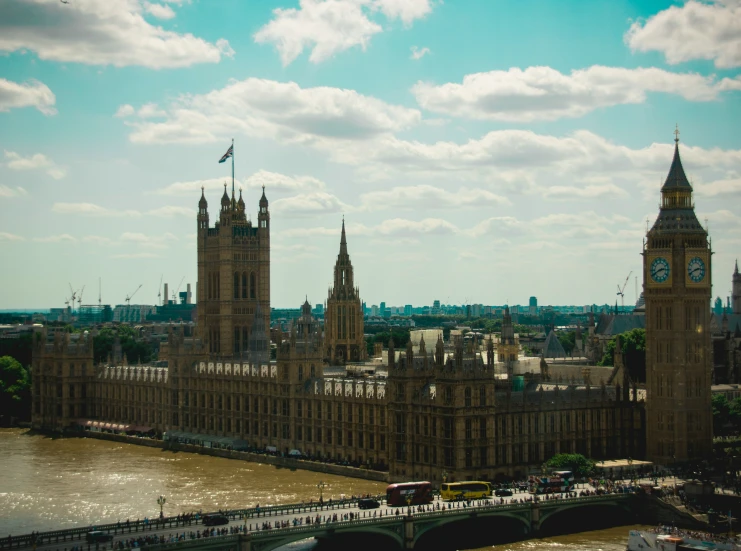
(432, 410)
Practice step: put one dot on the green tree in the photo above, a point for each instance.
(634, 353)
(721, 414)
(574, 462)
(135, 348)
(15, 389)
(567, 340)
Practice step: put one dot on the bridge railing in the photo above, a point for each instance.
(147, 525)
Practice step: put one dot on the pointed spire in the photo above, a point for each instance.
(736, 270)
(343, 239)
(676, 177)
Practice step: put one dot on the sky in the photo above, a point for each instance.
(479, 151)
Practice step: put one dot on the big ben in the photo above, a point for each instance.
(677, 289)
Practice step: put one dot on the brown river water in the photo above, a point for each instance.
(48, 483)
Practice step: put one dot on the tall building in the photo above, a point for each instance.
(533, 307)
(676, 279)
(736, 292)
(344, 339)
(234, 274)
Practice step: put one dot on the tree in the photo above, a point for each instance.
(634, 353)
(567, 340)
(574, 462)
(15, 389)
(135, 348)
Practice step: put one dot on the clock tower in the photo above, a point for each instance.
(676, 283)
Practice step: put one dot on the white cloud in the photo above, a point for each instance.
(696, 30)
(328, 27)
(96, 239)
(274, 182)
(430, 197)
(418, 53)
(594, 191)
(5, 236)
(149, 110)
(393, 227)
(543, 93)
(62, 238)
(124, 110)
(281, 111)
(91, 209)
(32, 93)
(147, 241)
(160, 11)
(307, 204)
(7, 191)
(729, 186)
(37, 161)
(99, 32)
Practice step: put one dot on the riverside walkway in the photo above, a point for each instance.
(265, 529)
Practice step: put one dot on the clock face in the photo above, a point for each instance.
(660, 270)
(696, 269)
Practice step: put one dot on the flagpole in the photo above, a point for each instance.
(232, 167)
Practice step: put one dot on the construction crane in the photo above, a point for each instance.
(71, 302)
(79, 298)
(159, 292)
(100, 299)
(621, 290)
(176, 294)
(129, 297)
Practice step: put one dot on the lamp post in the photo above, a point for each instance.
(409, 504)
(321, 487)
(161, 502)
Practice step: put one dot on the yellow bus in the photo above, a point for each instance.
(465, 490)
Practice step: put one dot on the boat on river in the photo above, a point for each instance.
(672, 539)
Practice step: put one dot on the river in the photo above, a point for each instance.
(49, 483)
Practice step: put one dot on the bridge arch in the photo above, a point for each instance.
(388, 537)
(475, 529)
(585, 516)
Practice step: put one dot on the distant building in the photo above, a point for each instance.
(533, 307)
(132, 313)
(407, 309)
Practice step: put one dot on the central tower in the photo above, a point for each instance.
(677, 289)
(344, 337)
(233, 275)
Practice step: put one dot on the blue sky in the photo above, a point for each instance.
(480, 151)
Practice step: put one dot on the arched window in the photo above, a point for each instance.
(244, 284)
(236, 285)
(482, 396)
(313, 372)
(253, 284)
(448, 395)
(467, 396)
(301, 373)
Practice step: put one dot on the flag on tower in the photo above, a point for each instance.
(229, 153)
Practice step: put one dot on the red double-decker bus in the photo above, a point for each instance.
(409, 493)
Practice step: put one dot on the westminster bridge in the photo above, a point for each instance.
(437, 525)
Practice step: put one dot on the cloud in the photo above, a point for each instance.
(147, 241)
(274, 182)
(5, 236)
(328, 27)
(7, 191)
(124, 110)
(430, 197)
(543, 93)
(149, 110)
(729, 186)
(282, 111)
(160, 11)
(418, 53)
(307, 204)
(599, 191)
(62, 238)
(38, 161)
(393, 227)
(96, 239)
(91, 209)
(696, 30)
(99, 32)
(31, 93)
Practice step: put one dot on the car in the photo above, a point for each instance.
(295, 454)
(503, 492)
(98, 536)
(368, 503)
(215, 520)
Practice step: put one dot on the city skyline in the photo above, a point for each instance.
(468, 147)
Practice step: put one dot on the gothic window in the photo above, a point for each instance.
(669, 317)
(312, 372)
(659, 324)
(236, 285)
(244, 284)
(300, 373)
(253, 284)
(448, 395)
(482, 427)
(468, 429)
(468, 396)
(482, 396)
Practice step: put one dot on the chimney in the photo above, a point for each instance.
(167, 298)
(189, 297)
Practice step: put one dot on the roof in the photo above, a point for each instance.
(552, 347)
(676, 179)
(611, 324)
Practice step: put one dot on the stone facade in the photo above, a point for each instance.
(442, 412)
(676, 283)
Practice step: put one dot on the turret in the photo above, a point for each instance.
(263, 215)
(202, 212)
(736, 292)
